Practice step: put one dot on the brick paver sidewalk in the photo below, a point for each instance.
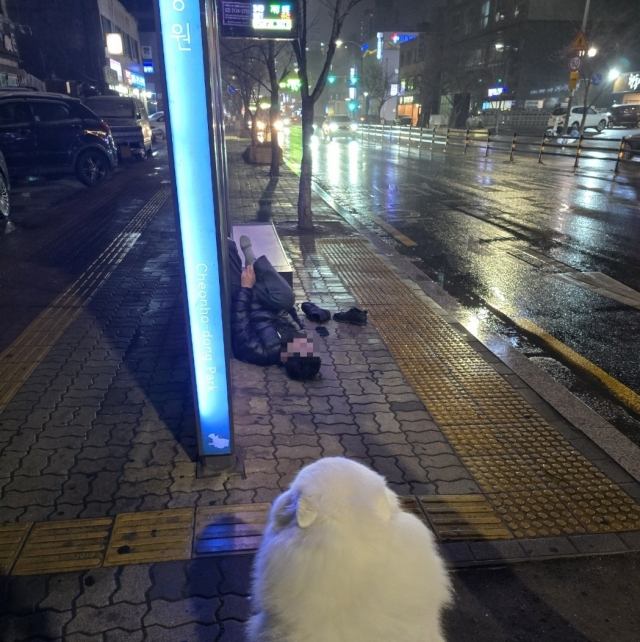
(105, 426)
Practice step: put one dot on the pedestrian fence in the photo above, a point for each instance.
(488, 142)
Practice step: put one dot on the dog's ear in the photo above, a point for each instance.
(306, 512)
(386, 504)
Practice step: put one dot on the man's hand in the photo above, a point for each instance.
(248, 277)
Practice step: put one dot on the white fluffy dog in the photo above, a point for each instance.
(341, 562)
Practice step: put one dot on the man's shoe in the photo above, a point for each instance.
(315, 313)
(354, 316)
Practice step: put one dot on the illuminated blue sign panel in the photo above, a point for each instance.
(189, 121)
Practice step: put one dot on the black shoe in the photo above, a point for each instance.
(314, 313)
(354, 316)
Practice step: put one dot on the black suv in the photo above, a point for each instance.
(49, 134)
(624, 116)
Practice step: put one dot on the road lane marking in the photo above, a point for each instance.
(602, 284)
(23, 356)
(399, 236)
(625, 395)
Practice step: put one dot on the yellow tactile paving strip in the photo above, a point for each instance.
(12, 537)
(536, 481)
(58, 547)
(188, 533)
(151, 536)
(463, 517)
(23, 356)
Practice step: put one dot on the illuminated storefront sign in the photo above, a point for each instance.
(147, 66)
(117, 67)
(199, 214)
(115, 46)
(398, 38)
(496, 91)
(134, 79)
(627, 82)
(251, 19)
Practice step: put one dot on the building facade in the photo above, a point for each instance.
(503, 54)
(419, 75)
(66, 40)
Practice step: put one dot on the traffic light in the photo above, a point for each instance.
(352, 105)
(331, 79)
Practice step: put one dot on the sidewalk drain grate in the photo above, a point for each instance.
(153, 536)
(463, 517)
(12, 537)
(224, 529)
(59, 547)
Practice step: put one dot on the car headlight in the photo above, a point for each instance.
(353, 126)
(333, 127)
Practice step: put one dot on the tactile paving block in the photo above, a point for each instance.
(12, 537)
(411, 504)
(152, 536)
(463, 517)
(539, 484)
(224, 529)
(58, 547)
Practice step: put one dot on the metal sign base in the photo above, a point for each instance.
(216, 465)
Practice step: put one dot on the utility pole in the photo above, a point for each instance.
(585, 17)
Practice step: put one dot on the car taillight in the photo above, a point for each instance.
(105, 128)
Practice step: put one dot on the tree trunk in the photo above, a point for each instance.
(305, 215)
(274, 113)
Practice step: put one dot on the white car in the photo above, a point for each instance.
(594, 119)
(158, 127)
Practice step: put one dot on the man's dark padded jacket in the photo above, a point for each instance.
(256, 332)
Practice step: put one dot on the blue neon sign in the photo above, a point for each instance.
(189, 122)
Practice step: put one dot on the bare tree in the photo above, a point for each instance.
(459, 76)
(254, 65)
(273, 54)
(243, 69)
(611, 34)
(376, 80)
(338, 12)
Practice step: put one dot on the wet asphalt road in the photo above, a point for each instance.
(496, 234)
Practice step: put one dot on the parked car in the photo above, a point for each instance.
(487, 118)
(594, 120)
(403, 121)
(49, 134)
(624, 116)
(158, 126)
(5, 187)
(127, 117)
(335, 126)
(631, 147)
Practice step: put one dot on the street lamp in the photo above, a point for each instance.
(614, 74)
(592, 52)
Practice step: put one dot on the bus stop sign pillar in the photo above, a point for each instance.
(196, 152)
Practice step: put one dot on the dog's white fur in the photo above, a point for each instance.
(341, 562)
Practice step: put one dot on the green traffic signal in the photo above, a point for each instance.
(352, 105)
(331, 79)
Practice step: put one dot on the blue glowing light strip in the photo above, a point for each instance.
(190, 128)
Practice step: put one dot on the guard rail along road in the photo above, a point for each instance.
(448, 140)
